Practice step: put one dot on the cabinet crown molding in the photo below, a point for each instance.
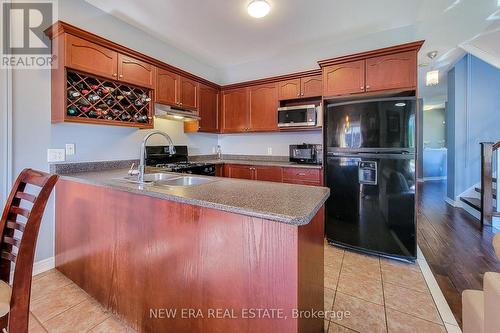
(413, 46)
(61, 27)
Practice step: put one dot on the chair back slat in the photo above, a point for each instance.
(22, 236)
(20, 211)
(12, 241)
(15, 225)
(9, 256)
(26, 196)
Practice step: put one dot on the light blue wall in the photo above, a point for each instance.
(473, 116)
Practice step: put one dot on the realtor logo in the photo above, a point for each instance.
(24, 44)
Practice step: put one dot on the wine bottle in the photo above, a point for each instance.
(93, 114)
(138, 103)
(84, 101)
(143, 119)
(84, 109)
(110, 101)
(93, 98)
(72, 112)
(84, 92)
(125, 117)
(94, 87)
(73, 94)
(120, 97)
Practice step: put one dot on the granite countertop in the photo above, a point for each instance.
(263, 163)
(286, 203)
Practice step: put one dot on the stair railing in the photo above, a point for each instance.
(490, 161)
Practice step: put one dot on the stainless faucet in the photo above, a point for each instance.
(142, 166)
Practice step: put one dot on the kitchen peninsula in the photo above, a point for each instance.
(227, 244)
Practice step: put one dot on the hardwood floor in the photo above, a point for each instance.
(456, 249)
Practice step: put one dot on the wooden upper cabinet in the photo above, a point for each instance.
(235, 110)
(208, 109)
(344, 78)
(263, 101)
(91, 58)
(289, 89)
(392, 71)
(135, 71)
(166, 87)
(311, 86)
(188, 93)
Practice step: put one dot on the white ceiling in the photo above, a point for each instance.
(297, 33)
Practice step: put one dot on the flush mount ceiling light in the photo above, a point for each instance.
(400, 104)
(258, 8)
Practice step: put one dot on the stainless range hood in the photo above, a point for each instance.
(167, 112)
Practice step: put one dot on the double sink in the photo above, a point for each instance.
(165, 179)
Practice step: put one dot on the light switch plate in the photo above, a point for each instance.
(56, 155)
(70, 149)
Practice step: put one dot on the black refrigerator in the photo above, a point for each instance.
(370, 170)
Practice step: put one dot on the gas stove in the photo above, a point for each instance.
(189, 167)
(159, 157)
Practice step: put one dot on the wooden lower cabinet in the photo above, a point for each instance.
(293, 175)
(268, 173)
(187, 257)
(238, 171)
(303, 176)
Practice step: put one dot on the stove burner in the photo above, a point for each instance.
(198, 168)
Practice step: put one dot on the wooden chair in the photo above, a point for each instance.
(19, 226)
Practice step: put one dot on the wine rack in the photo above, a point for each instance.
(94, 100)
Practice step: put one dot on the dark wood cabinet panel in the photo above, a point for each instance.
(289, 89)
(268, 173)
(303, 176)
(394, 71)
(238, 171)
(188, 93)
(136, 72)
(166, 87)
(208, 109)
(345, 78)
(311, 86)
(235, 110)
(263, 107)
(91, 58)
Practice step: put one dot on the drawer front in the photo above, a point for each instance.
(302, 182)
(302, 174)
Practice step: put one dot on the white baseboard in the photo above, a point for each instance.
(429, 179)
(44, 265)
(437, 295)
(452, 202)
(471, 210)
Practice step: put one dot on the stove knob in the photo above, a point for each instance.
(207, 169)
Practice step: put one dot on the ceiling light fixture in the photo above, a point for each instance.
(432, 76)
(400, 104)
(258, 8)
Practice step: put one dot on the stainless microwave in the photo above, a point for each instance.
(299, 116)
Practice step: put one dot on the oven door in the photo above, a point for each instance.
(297, 116)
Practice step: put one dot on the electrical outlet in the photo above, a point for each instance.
(56, 155)
(70, 149)
(269, 150)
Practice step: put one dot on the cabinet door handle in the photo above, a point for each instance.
(367, 87)
(301, 174)
(302, 94)
(362, 88)
(298, 95)
(121, 75)
(115, 75)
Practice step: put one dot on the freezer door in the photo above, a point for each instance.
(371, 206)
(381, 124)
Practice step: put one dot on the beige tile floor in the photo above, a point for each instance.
(380, 295)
